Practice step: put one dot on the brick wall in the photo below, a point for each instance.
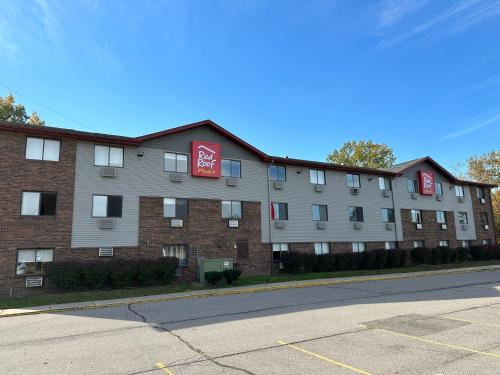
(431, 231)
(478, 208)
(205, 229)
(22, 232)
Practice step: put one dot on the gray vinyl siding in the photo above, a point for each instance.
(145, 176)
(403, 200)
(300, 195)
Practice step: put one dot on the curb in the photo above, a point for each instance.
(245, 290)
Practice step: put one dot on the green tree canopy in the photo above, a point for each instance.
(10, 111)
(363, 154)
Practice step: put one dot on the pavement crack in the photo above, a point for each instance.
(143, 318)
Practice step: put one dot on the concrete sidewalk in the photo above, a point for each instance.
(87, 305)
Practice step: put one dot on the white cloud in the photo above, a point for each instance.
(391, 12)
(492, 118)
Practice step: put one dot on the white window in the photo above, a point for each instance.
(319, 212)
(466, 243)
(486, 242)
(440, 217)
(353, 180)
(384, 183)
(107, 156)
(32, 261)
(390, 245)
(412, 186)
(462, 218)
(177, 251)
(107, 206)
(277, 173)
(358, 247)
(279, 211)
(321, 248)
(317, 176)
(459, 191)
(416, 216)
(280, 247)
(438, 187)
(231, 210)
(42, 149)
(443, 243)
(231, 168)
(387, 215)
(480, 192)
(175, 207)
(36, 203)
(418, 243)
(176, 162)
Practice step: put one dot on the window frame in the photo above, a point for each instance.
(358, 247)
(232, 202)
(317, 173)
(418, 216)
(421, 244)
(462, 214)
(444, 221)
(109, 156)
(273, 217)
(415, 188)
(353, 180)
(444, 243)
(387, 245)
(440, 184)
(355, 210)
(176, 210)
(483, 192)
(322, 249)
(231, 161)
(43, 149)
(276, 166)
(185, 247)
(37, 271)
(384, 180)
(176, 162)
(320, 206)
(390, 214)
(483, 218)
(459, 191)
(107, 206)
(40, 193)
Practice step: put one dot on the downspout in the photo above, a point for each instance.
(394, 208)
(268, 208)
(492, 218)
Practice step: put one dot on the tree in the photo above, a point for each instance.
(363, 154)
(16, 113)
(486, 168)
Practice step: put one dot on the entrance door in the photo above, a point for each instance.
(278, 250)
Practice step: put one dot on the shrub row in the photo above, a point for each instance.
(444, 255)
(215, 277)
(116, 273)
(375, 259)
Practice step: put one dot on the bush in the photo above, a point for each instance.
(309, 262)
(326, 262)
(355, 261)
(343, 261)
(421, 255)
(146, 272)
(447, 255)
(396, 258)
(122, 272)
(462, 254)
(381, 257)
(368, 260)
(95, 275)
(64, 275)
(477, 252)
(214, 277)
(231, 275)
(166, 268)
(293, 262)
(436, 256)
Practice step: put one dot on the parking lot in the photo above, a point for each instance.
(426, 325)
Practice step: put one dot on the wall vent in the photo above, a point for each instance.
(482, 200)
(230, 181)
(357, 226)
(176, 223)
(389, 226)
(193, 250)
(109, 172)
(461, 199)
(318, 188)
(444, 226)
(105, 251)
(106, 223)
(321, 224)
(386, 193)
(34, 281)
(486, 227)
(279, 224)
(354, 191)
(176, 177)
(233, 223)
(439, 197)
(465, 226)
(419, 226)
(278, 185)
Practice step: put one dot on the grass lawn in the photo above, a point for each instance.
(95, 295)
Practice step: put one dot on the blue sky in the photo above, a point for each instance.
(296, 78)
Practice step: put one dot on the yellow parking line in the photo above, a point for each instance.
(164, 368)
(472, 321)
(439, 343)
(326, 359)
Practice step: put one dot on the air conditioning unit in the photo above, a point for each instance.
(34, 281)
(414, 195)
(109, 172)
(386, 193)
(486, 227)
(419, 226)
(279, 224)
(318, 188)
(230, 181)
(320, 224)
(482, 200)
(357, 225)
(176, 177)
(233, 223)
(106, 224)
(176, 223)
(444, 226)
(439, 197)
(389, 226)
(354, 191)
(461, 199)
(278, 185)
(105, 251)
(465, 226)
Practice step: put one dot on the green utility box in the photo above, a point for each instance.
(207, 265)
